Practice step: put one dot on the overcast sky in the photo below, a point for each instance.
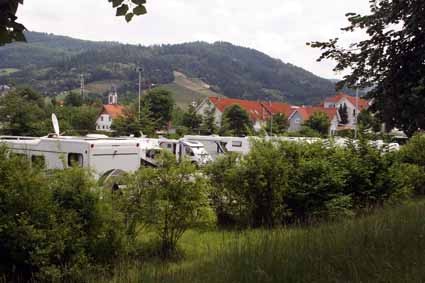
(279, 28)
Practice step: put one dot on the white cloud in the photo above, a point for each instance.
(279, 28)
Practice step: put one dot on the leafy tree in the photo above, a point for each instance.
(191, 119)
(11, 31)
(161, 104)
(390, 60)
(127, 125)
(73, 99)
(55, 227)
(343, 114)
(209, 125)
(23, 112)
(367, 120)
(319, 122)
(147, 123)
(280, 124)
(169, 200)
(236, 121)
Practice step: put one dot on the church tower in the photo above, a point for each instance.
(113, 96)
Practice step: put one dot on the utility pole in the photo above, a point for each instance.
(357, 110)
(140, 70)
(82, 86)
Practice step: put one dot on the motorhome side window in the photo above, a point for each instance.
(236, 143)
(38, 161)
(75, 159)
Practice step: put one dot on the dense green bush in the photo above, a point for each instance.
(167, 201)
(53, 228)
(282, 182)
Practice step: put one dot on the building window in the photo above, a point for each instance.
(75, 159)
(236, 143)
(101, 118)
(297, 120)
(354, 112)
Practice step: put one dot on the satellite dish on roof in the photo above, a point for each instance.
(55, 124)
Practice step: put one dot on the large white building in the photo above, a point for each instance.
(110, 111)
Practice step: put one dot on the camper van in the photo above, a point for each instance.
(216, 145)
(102, 155)
(194, 151)
(149, 150)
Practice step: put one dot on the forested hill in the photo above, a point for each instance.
(53, 63)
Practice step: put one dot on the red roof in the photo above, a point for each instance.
(307, 112)
(279, 107)
(113, 110)
(363, 103)
(254, 108)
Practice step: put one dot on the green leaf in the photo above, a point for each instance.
(139, 2)
(128, 17)
(139, 10)
(116, 3)
(121, 11)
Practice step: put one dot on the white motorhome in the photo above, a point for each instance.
(102, 155)
(149, 150)
(194, 151)
(217, 145)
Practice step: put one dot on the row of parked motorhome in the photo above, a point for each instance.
(113, 156)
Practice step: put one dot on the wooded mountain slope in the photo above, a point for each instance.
(53, 64)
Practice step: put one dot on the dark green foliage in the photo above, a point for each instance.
(279, 124)
(53, 228)
(73, 99)
(192, 120)
(127, 125)
(236, 121)
(281, 182)
(161, 106)
(319, 122)
(209, 125)
(343, 114)
(167, 201)
(367, 121)
(23, 112)
(231, 70)
(390, 60)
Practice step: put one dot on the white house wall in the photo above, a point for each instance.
(103, 123)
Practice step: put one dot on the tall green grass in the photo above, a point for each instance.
(386, 247)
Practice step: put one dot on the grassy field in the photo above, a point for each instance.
(386, 247)
(186, 90)
(8, 71)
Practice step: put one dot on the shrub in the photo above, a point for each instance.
(52, 228)
(168, 201)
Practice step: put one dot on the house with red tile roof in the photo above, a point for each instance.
(274, 108)
(350, 101)
(109, 112)
(259, 111)
(302, 114)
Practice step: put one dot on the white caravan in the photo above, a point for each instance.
(194, 151)
(216, 145)
(104, 156)
(149, 150)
